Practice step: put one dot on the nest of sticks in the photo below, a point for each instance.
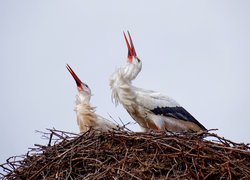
(130, 155)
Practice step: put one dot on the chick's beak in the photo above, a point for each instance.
(78, 81)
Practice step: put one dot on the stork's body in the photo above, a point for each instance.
(86, 116)
(150, 109)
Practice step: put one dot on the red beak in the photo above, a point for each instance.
(131, 48)
(78, 81)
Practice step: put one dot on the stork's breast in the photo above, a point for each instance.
(141, 117)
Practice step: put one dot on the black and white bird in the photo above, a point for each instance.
(86, 116)
(151, 110)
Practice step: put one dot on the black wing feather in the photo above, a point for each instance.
(177, 112)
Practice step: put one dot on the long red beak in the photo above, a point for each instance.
(131, 48)
(78, 81)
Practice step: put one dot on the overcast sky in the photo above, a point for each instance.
(197, 52)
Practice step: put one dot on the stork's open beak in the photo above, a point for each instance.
(78, 81)
(131, 48)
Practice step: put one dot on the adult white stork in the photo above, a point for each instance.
(86, 116)
(150, 109)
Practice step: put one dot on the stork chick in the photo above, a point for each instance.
(86, 116)
(150, 109)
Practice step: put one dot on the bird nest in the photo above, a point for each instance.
(130, 155)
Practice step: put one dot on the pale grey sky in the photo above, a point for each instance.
(197, 52)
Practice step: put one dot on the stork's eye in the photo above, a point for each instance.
(138, 60)
(86, 85)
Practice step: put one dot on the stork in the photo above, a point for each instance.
(151, 110)
(86, 116)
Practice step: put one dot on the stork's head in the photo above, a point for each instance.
(134, 63)
(81, 87)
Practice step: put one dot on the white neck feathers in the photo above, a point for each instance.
(122, 89)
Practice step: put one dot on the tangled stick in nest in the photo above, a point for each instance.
(129, 155)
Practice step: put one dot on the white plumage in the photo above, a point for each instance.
(85, 113)
(150, 109)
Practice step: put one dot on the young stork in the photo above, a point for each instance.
(150, 109)
(86, 116)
